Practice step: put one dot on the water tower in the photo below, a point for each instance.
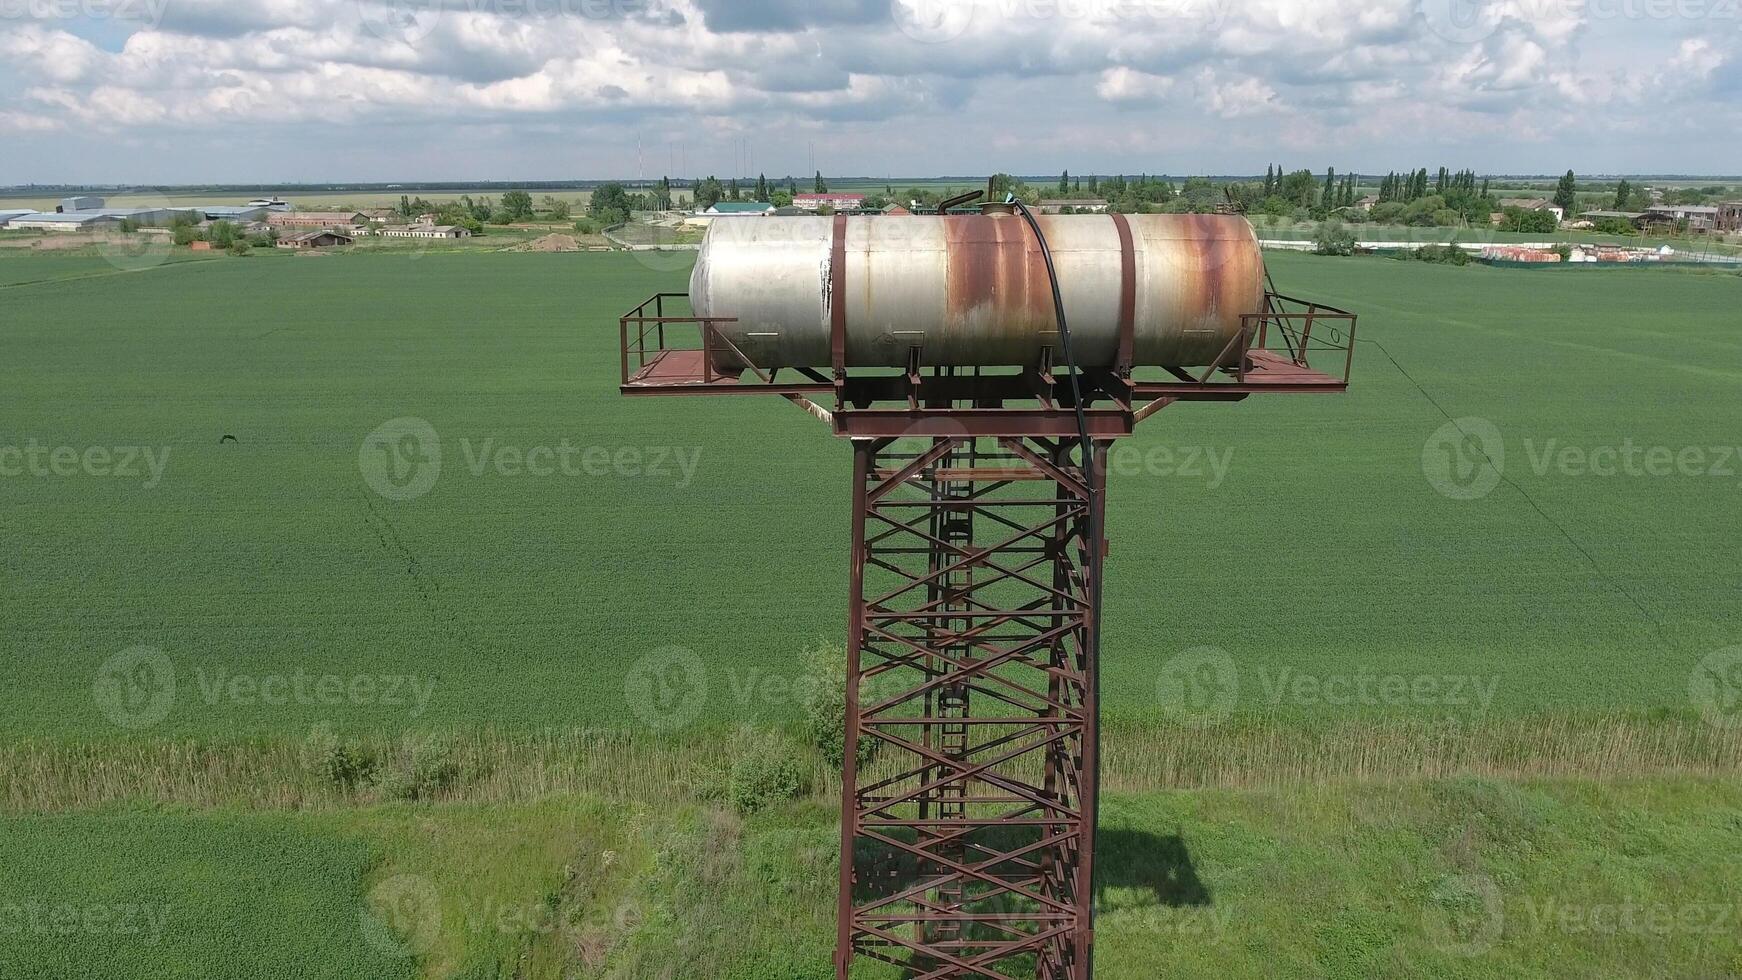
(981, 364)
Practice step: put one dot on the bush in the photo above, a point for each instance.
(825, 705)
(1518, 219)
(1334, 239)
(426, 769)
(186, 235)
(1446, 218)
(765, 771)
(1448, 254)
(240, 247)
(587, 226)
(341, 763)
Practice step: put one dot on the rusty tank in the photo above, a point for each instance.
(972, 290)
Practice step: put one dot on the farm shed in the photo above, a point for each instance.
(316, 239)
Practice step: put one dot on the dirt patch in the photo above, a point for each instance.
(552, 243)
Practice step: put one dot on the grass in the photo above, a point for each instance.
(126, 895)
(1420, 702)
(1442, 878)
(526, 602)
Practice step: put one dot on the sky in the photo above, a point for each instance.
(284, 91)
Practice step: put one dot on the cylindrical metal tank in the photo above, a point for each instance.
(973, 289)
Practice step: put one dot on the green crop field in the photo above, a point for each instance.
(1296, 534)
(255, 634)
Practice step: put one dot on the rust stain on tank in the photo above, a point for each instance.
(997, 275)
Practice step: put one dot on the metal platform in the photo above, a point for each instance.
(667, 353)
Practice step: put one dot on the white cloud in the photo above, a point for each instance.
(1357, 76)
(1123, 85)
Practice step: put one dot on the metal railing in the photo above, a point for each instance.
(654, 326)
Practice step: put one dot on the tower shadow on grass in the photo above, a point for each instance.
(1157, 864)
(1160, 864)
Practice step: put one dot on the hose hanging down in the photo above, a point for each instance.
(1094, 569)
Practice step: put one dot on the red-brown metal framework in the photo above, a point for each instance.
(967, 832)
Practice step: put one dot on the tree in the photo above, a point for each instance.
(1269, 180)
(1334, 239)
(1329, 198)
(558, 208)
(1622, 191)
(732, 190)
(611, 204)
(821, 187)
(1518, 219)
(222, 234)
(708, 193)
(1567, 194)
(1064, 183)
(518, 204)
(761, 187)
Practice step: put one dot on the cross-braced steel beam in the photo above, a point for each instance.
(969, 796)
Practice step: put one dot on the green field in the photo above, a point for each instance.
(1317, 545)
(180, 637)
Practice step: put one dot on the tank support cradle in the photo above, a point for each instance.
(969, 792)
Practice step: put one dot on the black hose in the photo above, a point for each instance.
(1094, 543)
